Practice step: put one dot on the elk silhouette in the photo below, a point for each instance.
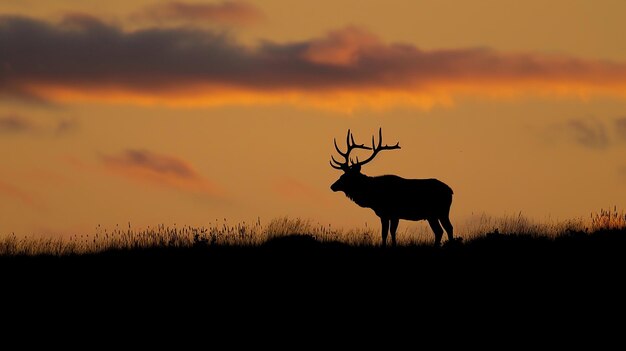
(392, 197)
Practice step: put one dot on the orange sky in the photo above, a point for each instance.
(185, 112)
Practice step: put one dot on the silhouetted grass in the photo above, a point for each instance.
(511, 273)
(304, 268)
(515, 230)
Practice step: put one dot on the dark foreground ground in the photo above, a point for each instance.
(535, 282)
(495, 261)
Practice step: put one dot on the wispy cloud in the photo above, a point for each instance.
(590, 133)
(19, 124)
(227, 12)
(16, 194)
(14, 123)
(83, 58)
(163, 170)
(620, 128)
(340, 47)
(66, 126)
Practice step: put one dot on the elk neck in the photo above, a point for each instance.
(359, 190)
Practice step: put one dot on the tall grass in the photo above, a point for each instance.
(221, 233)
(131, 238)
(519, 224)
(218, 233)
(608, 220)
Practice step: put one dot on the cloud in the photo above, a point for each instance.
(620, 128)
(162, 170)
(15, 193)
(227, 12)
(13, 123)
(66, 126)
(85, 59)
(15, 94)
(341, 47)
(590, 133)
(18, 124)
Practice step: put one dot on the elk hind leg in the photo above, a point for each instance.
(385, 229)
(436, 227)
(447, 225)
(393, 228)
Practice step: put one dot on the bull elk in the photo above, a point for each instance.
(391, 197)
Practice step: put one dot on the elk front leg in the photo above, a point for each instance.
(392, 229)
(436, 227)
(385, 223)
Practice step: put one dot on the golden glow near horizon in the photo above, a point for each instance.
(186, 111)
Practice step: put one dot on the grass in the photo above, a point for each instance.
(221, 234)
(255, 234)
(307, 269)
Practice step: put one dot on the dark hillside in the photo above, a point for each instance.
(303, 259)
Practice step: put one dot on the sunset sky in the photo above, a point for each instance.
(188, 112)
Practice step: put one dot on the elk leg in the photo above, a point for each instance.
(436, 227)
(385, 223)
(393, 228)
(445, 222)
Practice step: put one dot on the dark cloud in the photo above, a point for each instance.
(16, 94)
(66, 126)
(227, 12)
(18, 124)
(164, 170)
(152, 162)
(590, 133)
(83, 56)
(15, 124)
(83, 52)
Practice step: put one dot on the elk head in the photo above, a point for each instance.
(352, 176)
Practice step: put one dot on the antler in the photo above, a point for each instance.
(346, 155)
(352, 145)
(377, 148)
